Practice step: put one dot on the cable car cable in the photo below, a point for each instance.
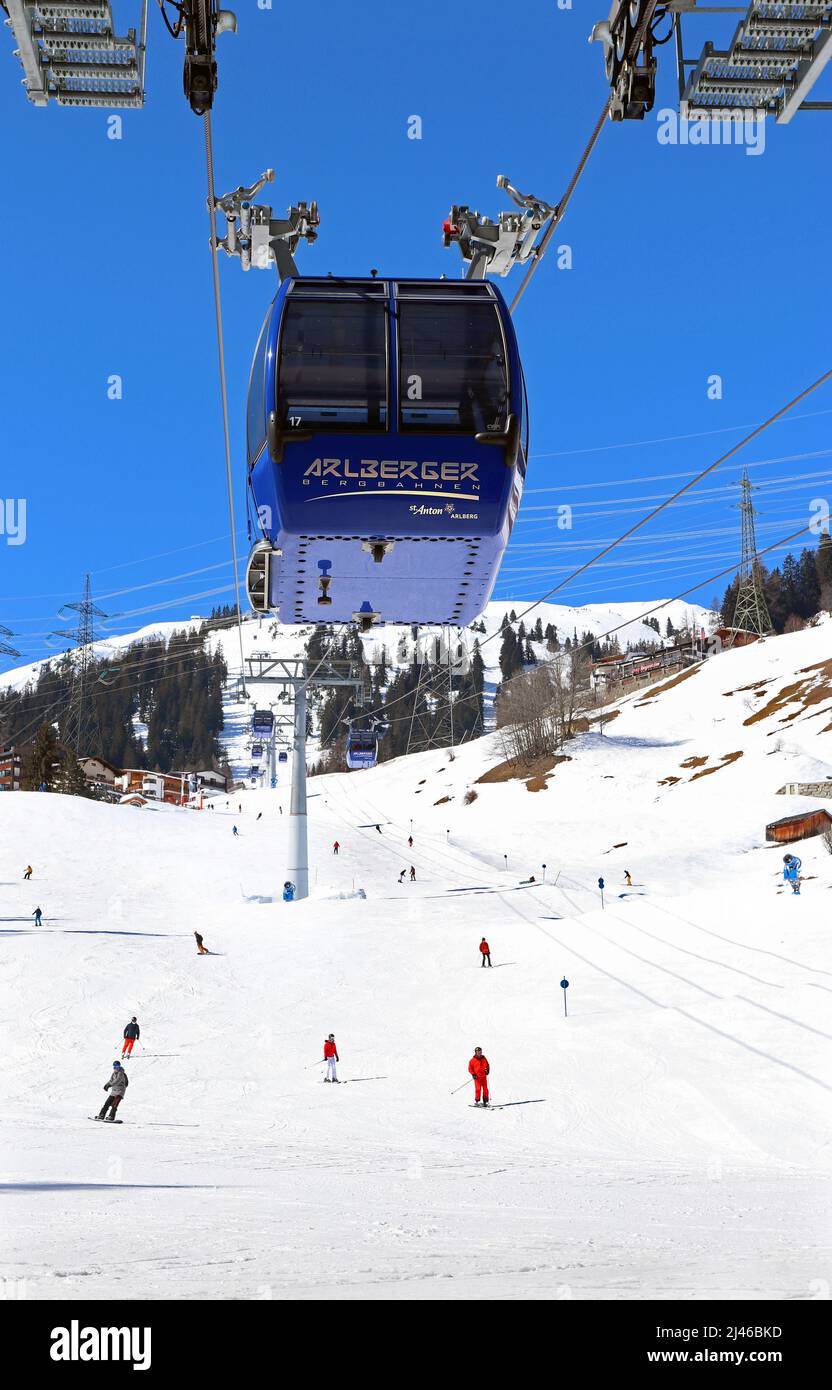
(735, 448)
(560, 208)
(209, 162)
(778, 414)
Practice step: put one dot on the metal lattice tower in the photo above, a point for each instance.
(82, 729)
(432, 718)
(751, 611)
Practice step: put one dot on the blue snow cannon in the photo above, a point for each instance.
(288, 892)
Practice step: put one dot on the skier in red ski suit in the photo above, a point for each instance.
(479, 1069)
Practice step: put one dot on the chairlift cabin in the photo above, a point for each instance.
(257, 750)
(262, 722)
(362, 749)
(386, 450)
(282, 757)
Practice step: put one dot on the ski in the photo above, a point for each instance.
(105, 1122)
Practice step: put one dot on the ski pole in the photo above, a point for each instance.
(319, 1063)
(459, 1088)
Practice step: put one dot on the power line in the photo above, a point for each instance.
(662, 439)
(735, 448)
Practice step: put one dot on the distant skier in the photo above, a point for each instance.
(628, 878)
(410, 842)
(412, 874)
(38, 916)
(201, 949)
(401, 875)
(116, 1085)
(331, 1057)
(28, 873)
(335, 847)
(234, 830)
(486, 953)
(131, 1036)
(378, 828)
(288, 891)
(479, 1068)
(259, 814)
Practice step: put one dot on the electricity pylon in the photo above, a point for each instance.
(751, 611)
(82, 729)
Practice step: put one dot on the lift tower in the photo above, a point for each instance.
(296, 676)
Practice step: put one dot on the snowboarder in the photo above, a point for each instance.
(28, 873)
(412, 874)
(410, 842)
(116, 1085)
(234, 830)
(335, 847)
(486, 953)
(331, 1057)
(479, 1068)
(378, 828)
(259, 814)
(401, 875)
(38, 916)
(628, 878)
(200, 948)
(131, 1036)
(791, 871)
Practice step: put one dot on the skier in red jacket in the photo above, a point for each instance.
(479, 1069)
(331, 1057)
(486, 952)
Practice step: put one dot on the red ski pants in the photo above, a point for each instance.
(480, 1087)
(128, 1046)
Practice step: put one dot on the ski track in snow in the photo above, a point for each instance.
(677, 1146)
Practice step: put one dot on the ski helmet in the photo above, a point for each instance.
(117, 1065)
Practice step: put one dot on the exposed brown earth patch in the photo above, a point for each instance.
(510, 770)
(813, 689)
(727, 760)
(694, 762)
(668, 685)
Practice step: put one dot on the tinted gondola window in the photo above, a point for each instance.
(452, 367)
(333, 363)
(255, 413)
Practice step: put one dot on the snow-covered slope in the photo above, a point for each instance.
(668, 1139)
(397, 645)
(288, 640)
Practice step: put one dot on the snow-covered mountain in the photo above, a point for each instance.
(669, 1138)
(623, 621)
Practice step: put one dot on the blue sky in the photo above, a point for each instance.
(687, 262)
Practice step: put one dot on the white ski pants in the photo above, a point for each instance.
(331, 1074)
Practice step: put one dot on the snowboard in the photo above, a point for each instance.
(105, 1122)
